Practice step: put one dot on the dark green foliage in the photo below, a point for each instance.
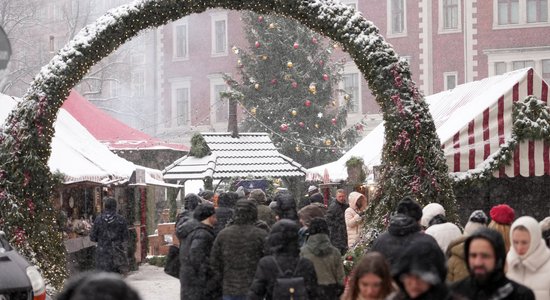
(199, 148)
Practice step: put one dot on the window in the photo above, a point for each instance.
(450, 14)
(500, 68)
(546, 69)
(450, 80)
(397, 13)
(520, 64)
(181, 106)
(508, 12)
(181, 46)
(138, 84)
(219, 34)
(219, 111)
(350, 3)
(537, 11)
(222, 107)
(351, 88)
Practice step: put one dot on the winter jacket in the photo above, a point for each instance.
(402, 231)
(337, 225)
(110, 231)
(456, 263)
(533, 268)
(195, 273)
(353, 219)
(444, 234)
(235, 255)
(266, 214)
(223, 215)
(496, 286)
(267, 273)
(327, 262)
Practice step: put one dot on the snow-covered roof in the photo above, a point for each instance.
(79, 156)
(250, 154)
(472, 121)
(111, 132)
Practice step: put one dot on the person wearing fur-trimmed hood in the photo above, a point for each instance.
(529, 259)
(355, 216)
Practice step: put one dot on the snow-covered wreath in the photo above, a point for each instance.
(412, 157)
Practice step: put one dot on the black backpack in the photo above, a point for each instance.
(287, 286)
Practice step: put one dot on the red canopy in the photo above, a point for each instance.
(109, 131)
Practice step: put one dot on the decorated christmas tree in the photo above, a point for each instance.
(289, 88)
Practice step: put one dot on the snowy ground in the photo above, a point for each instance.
(153, 284)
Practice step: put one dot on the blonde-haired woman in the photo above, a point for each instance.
(502, 216)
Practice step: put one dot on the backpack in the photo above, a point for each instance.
(288, 286)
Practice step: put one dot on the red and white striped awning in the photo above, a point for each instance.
(471, 146)
(473, 120)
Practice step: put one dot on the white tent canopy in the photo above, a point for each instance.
(79, 156)
(472, 121)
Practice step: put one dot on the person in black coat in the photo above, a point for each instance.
(485, 255)
(242, 239)
(403, 230)
(190, 202)
(283, 243)
(110, 231)
(195, 246)
(224, 211)
(337, 222)
(286, 206)
(420, 273)
(97, 286)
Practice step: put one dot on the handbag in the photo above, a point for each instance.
(172, 266)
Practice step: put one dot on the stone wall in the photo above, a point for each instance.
(526, 195)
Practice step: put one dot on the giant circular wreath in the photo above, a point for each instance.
(413, 162)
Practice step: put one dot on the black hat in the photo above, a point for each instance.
(318, 225)
(203, 211)
(409, 207)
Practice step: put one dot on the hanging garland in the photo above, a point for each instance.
(412, 157)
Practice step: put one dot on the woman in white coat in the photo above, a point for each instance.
(354, 216)
(529, 259)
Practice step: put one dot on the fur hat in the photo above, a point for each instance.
(257, 196)
(203, 212)
(409, 207)
(430, 211)
(502, 214)
(311, 188)
(477, 220)
(317, 198)
(318, 225)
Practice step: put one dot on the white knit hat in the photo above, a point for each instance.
(429, 211)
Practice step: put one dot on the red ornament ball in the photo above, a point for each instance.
(294, 84)
(301, 124)
(321, 62)
(314, 40)
(260, 19)
(257, 44)
(333, 121)
(274, 81)
(325, 77)
(284, 127)
(307, 103)
(296, 46)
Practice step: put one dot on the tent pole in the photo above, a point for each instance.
(218, 184)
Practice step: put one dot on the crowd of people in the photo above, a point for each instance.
(243, 246)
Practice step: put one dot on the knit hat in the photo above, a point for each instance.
(203, 212)
(309, 212)
(317, 198)
(311, 188)
(246, 212)
(409, 207)
(257, 196)
(318, 225)
(477, 220)
(502, 214)
(429, 211)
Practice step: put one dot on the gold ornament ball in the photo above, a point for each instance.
(333, 103)
(313, 89)
(253, 111)
(287, 77)
(298, 148)
(257, 86)
(289, 64)
(271, 26)
(328, 142)
(264, 57)
(346, 97)
(294, 112)
(316, 125)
